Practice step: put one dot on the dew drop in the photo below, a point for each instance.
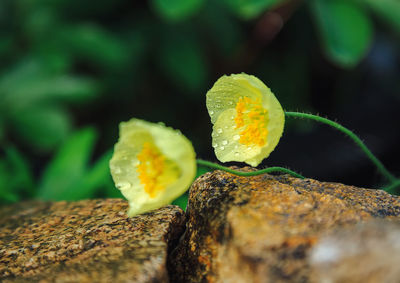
(232, 117)
(123, 185)
(215, 145)
(230, 102)
(219, 131)
(236, 137)
(236, 153)
(211, 112)
(224, 142)
(117, 170)
(222, 148)
(236, 146)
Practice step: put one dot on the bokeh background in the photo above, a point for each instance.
(71, 70)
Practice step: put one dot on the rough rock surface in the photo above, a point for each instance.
(85, 241)
(367, 253)
(261, 229)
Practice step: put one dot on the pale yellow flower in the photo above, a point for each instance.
(248, 119)
(152, 165)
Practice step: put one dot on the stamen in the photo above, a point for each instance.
(251, 117)
(150, 168)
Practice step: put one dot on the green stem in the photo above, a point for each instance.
(353, 136)
(253, 173)
(392, 188)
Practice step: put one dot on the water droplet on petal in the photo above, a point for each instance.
(215, 145)
(222, 148)
(219, 131)
(224, 142)
(211, 112)
(236, 146)
(117, 170)
(230, 102)
(236, 137)
(123, 185)
(236, 153)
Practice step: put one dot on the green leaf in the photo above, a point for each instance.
(94, 44)
(388, 10)
(223, 28)
(68, 166)
(202, 170)
(50, 89)
(176, 10)
(39, 86)
(42, 127)
(183, 61)
(111, 191)
(6, 45)
(26, 70)
(16, 180)
(182, 201)
(249, 9)
(98, 176)
(2, 130)
(38, 22)
(21, 179)
(345, 29)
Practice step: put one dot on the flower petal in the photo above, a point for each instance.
(248, 119)
(227, 91)
(163, 144)
(226, 143)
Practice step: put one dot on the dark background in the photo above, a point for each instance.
(70, 71)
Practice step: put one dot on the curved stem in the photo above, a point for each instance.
(253, 173)
(392, 188)
(382, 169)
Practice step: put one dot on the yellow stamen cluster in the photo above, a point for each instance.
(251, 115)
(150, 168)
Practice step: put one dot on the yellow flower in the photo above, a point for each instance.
(248, 119)
(152, 165)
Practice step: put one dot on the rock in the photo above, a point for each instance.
(261, 229)
(366, 253)
(85, 241)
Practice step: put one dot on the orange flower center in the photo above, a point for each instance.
(251, 119)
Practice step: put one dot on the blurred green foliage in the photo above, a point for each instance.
(71, 70)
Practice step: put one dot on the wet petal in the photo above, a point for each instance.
(226, 140)
(249, 115)
(152, 165)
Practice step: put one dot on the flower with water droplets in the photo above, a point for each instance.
(152, 165)
(248, 119)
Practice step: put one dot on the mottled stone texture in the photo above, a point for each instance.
(366, 253)
(85, 241)
(261, 229)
